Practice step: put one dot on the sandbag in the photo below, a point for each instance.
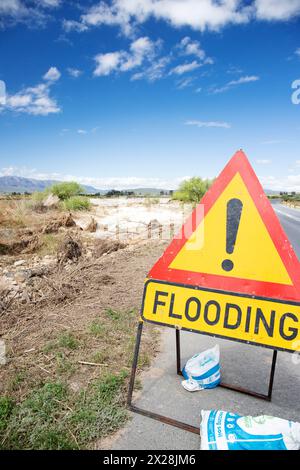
(202, 370)
(221, 430)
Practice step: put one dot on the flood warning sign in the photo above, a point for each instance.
(231, 271)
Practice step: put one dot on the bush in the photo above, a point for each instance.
(192, 190)
(67, 190)
(37, 198)
(77, 203)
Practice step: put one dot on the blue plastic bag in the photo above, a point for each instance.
(202, 370)
(221, 430)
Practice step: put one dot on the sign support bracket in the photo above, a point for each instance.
(173, 422)
(150, 414)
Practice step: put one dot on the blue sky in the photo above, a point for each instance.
(134, 93)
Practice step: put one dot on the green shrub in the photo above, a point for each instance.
(66, 190)
(192, 190)
(77, 203)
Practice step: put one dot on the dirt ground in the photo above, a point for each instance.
(113, 281)
(68, 317)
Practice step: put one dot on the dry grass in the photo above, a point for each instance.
(73, 340)
(23, 229)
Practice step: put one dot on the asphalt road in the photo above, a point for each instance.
(290, 221)
(242, 365)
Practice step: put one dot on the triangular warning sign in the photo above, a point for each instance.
(233, 241)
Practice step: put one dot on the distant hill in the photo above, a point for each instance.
(18, 184)
(271, 192)
(150, 191)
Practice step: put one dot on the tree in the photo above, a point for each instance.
(66, 190)
(192, 190)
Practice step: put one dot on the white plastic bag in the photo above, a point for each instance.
(202, 370)
(221, 430)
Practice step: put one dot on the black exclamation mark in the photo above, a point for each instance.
(234, 211)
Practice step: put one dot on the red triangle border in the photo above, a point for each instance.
(238, 164)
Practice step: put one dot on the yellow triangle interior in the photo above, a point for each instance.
(254, 257)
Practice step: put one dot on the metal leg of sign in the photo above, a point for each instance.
(270, 390)
(267, 397)
(150, 414)
(178, 355)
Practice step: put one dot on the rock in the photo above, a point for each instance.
(8, 274)
(19, 262)
(69, 221)
(22, 276)
(3, 359)
(39, 271)
(92, 225)
(48, 259)
(70, 250)
(54, 225)
(154, 223)
(25, 297)
(51, 200)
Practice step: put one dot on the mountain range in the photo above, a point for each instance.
(19, 184)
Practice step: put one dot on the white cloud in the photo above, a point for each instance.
(199, 15)
(35, 100)
(297, 51)
(280, 10)
(185, 83)
(107, 63)
(234, 83)
(190, 47)
(72, 25)
(158, 66)
(75, 73)
(233, 70)
(155, 71)
(50, 3)
(52, 75)
(184, 68)
(284, 183)
(140, 50)
(87, 131)
(221, 124)
(19, 101)
(26, 11)
(263, 161)
(2, 93)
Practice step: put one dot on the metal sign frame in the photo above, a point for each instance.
(265, 290)
(171, 421)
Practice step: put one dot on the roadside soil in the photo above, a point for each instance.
(73, 300)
